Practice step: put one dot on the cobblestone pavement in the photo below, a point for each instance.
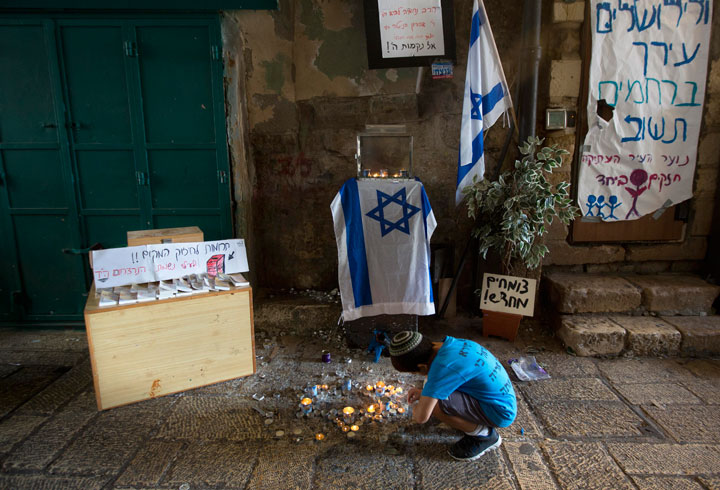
(624, 423)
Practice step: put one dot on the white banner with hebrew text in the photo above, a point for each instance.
(649, 64)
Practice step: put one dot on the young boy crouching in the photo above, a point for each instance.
(466, 387)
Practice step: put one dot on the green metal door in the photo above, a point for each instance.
(112, 124)
(38, 281)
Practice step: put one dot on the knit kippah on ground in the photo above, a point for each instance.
(404, 342)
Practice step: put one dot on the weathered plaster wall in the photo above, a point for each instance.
(299, 92)
(309, 93)
(565, 61)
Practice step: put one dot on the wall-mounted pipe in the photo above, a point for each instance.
(530, 55)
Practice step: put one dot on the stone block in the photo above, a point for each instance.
(568, 12)
(524, 419)
(649, 336)
(656, 393)
(673, 294)
(42, 447)
(565, 78)
(705, 182)
(20, 386)
(528, 464)
(212, 464)
(700, 334)
(17, 428)
(345, 466)
(282, 463)
(693, 248)
(59, 392)
(210, 418)
(703, 217)
(584, 466)
(709, 150)
(666, 459)
(582, 419)
(435, 471)
(44, 482)
(359, 333)
(645, 370)
(591, 389)
(294, 314)
(666, 483)
(591, 336)
(562, 253)
(587, 293)
(146, 469)
(688, 423)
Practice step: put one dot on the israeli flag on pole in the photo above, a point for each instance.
(486, 98)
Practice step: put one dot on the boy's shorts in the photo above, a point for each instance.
(466, 407)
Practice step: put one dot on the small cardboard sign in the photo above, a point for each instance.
(150, 263)
(508, 294)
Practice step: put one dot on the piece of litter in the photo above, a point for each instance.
(268, 421)
(279, 433)
(527, 369)
(258, 397)
(184, 486)
(297, 431)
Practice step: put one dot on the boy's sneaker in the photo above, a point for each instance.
(472, 447)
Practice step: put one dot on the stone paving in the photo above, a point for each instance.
(599, 423)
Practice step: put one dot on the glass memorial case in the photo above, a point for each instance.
(384, 152)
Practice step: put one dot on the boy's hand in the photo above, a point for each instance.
(414, 395)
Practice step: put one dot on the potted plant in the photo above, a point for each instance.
(513, 213)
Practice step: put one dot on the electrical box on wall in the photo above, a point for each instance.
(559, 118)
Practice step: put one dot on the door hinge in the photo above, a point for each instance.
(131, 50)
(222, 176)
(142, 178)
(215, 51)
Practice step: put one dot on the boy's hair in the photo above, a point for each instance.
(408, 349)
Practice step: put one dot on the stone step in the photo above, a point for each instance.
(613, 335)
(664, 294)
(295, 312)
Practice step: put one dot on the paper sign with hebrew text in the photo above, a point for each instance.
(508, 294)
(645, 104)
(148, 263)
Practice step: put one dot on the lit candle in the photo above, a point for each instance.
(398, 389)
(348, 414)
(324, 387)
(401, 410)
(371, 410)
(377, 417)
(313, 390)
(319, 436)
(345, 428)
(383, 172)
(380, 388)
(354, 428)
(306, 405)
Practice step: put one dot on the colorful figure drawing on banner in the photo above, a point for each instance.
(591, 204)
(614, 204)
(638, 177)
(599, 203)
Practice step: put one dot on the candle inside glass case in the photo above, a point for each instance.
(348, 414)
(306, 405)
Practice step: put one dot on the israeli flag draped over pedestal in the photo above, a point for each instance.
(486, 98)
(383, 230)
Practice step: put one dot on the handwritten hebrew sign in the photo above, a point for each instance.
(649, 63)
(411, 28)
(508, 294)
(148, 263)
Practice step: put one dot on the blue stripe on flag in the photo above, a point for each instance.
(357, 258)
(427, 209)
(477, 153)
(475, 27)
(491, 98)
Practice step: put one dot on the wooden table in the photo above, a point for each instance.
(151, 349)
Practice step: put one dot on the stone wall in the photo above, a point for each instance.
(298, 92)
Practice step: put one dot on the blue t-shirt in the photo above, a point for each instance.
(463, 365)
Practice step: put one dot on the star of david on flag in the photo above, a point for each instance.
(408, 211)
(486, 98)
